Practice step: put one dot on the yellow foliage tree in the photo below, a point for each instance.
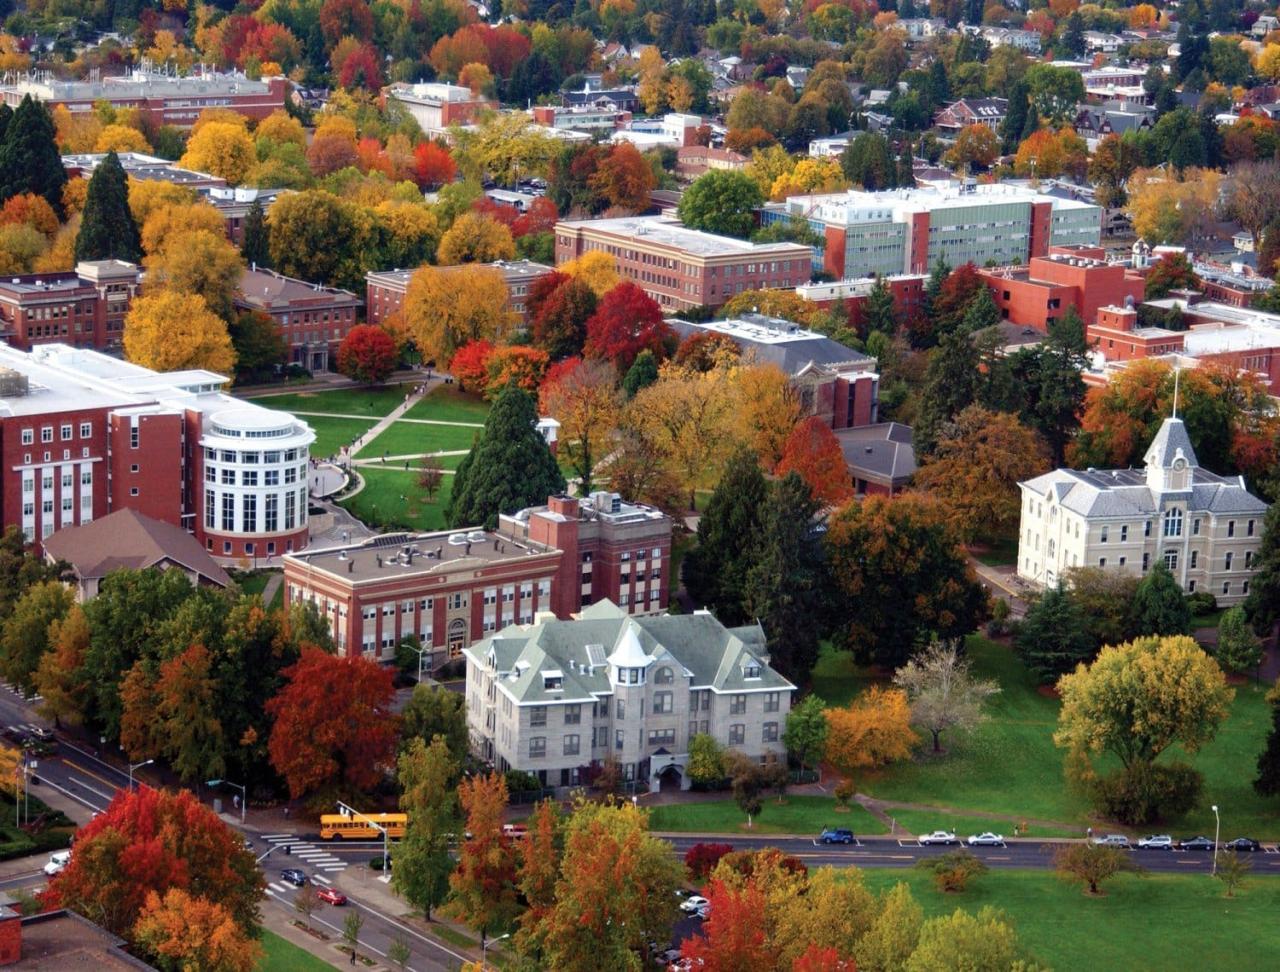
(476, 238)
(222, 149)
(337, 126)
(1143, 15)
(76, 132)
(413, 229)
(652, 72)
(176, 222)
(280, 126)
(871, 731)
(12, 56)
(1166, 209)
(810, 176)
(121, 138)
(444, 309)
(1268, 61)
(199, 262)
(61, 254)
(768, 165)
(148, 195)
(169, 331)
(221, 116)
(187, 932)
(74, 194)
(596, 269)
(767, 409)
(20, 246)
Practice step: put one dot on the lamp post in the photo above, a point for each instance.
(422, 654)
(1217, 831)
(484, 948)
(137, 766)
(244, 795)
(351, 812)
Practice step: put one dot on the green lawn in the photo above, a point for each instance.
(1149, 923)
(923, 821)
(374, 402)
(333, 433)
(1209, 620)
(281, 955)
(798, 815)
(997, 554)
(409, 438)
(447, 404)
(381, 502)
(254, 583)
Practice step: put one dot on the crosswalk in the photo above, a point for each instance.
(14, 690)
(304, 853)
(27, 727)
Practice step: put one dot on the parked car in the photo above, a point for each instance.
(1156, 842)
(1196, 844)
(1243, 844)
(294, 876)
(705, 911)
(839, 835)
(58, 862)
(939, 837)
(331, 896)
(692, 903)
(1111, 840)
(987, 839)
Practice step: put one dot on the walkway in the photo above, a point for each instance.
(273, 585)
(410, 399)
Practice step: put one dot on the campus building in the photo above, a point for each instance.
(911, 230)
(163, 99)
(1039, 293)
(1205, 528)
(85, 306)
(682, 268)
(907, 290)
(450, 589)
(83, 434)
(313, 318)
(436, 106)
(385, 289)
(560, 697)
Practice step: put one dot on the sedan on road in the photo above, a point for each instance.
(1156, 842)
(986, 840)
(1196, 844)
(331, 896)
(693, 903)
(1111, 840)
(1247, 844)
(939, 837)
(294, 876)
(58, 862)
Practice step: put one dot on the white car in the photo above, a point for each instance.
(693, 903)
(57, 862)
(939, 837)
(1156, 842)
(986, 840)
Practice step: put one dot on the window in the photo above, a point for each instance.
(66, 433)
(28, 436)
(1248, 529)
(617, 739)
(1171, 560)
(1103, 538)
(572, 715)
(1195, 556)
(537, 747)
(134, 432)
(1226, 587)
(771, 700)
(571, 745)
(251, 514)
(769, 733)
(663, 676)
(1229, 559)
(272, 519)
(1195, 527)
(1173, 522)
(46, 433)
(1102, 561)
(1231, 528)
(210, 509)
(1146, 529)
(737, 704)
(228, 511)
(663, 703)
(737, 734)
(662, 737)
(1248, 559)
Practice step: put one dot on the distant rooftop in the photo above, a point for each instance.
(138, 84)
(511, 270)
(856, 206)
(398, 555)
(262, 286)
(667, 232)
(774, 340)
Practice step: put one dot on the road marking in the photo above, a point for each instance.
(106, 796)
(995, 857)
(276, 836)
(73, 796)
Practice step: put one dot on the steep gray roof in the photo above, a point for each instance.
(1125, 493)
(1171, 439)
(882, 452)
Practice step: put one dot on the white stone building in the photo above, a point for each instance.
(1204, 527)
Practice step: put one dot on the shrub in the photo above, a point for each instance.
(1202, 602)
(845, 791)
(518, 781)
(953, 870)
(1145, 793)
(701, 859)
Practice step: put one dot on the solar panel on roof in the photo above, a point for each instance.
(390, 539)
(595, 654)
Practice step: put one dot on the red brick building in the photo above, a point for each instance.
(1115, 335)
(435, 106)
(85, 307)
(451, 589)
(682, 268)
(1039, 293)
(907, 290)
(313, 318)
(385, 290)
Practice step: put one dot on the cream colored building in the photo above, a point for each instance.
(1204, 527)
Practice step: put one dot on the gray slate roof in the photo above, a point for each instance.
(792, 356)
(1124, 492)
(882, 452)
(1169, 441)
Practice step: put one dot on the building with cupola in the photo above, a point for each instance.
(558, 699)
(1204, 527)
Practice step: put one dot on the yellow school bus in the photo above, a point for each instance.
(339, 826)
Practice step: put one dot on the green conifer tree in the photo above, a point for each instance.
(715, 570)
(1158, 606)
(29, 157)
(255, 248)
(107, 229)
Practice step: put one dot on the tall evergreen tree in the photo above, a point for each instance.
(787, 584)
(1054, 636)
(6, 113)
(255, 248)
(509, 468)
(1158, 606)
(906, 168)
(29, 157)
(878, 312)
(642, 373)
(1015, 118)
(715, 570)
(107, 228)
(951, 384)
(1073, 35)
(1263, 604)
(1049, 383)
(1267, 782)
(981, 312)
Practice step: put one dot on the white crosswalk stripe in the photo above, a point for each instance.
(307, 852)
(279, 888)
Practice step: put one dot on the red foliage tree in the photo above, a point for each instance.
(334, 724)
(270, 42)
(560, 325)
(540, 217)
(541, 289)
(702, 350)
(817, 958)
(624, 178)
(368, 354)
(360, 68)
(470, 365)
(433, 163)
(515, 364)
(813, 451)
(154, 840)
(954, 296)
(498, 212)
(345, 18)
(701, 859)
(557, 373)
(627, 322)
(733, 936)
(371, 158)
(235, 33)
(329, 153)
(500, 48)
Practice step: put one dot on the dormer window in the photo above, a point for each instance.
(750, 668)
(552, 681)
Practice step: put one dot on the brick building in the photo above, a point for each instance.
(436, 106)
(1039, 293)
(451, 589)
(907, 290)
(85, 307)
(989, 112)
(682, 268)
(1116, 336)
(83, 434)
(313, 318)
(385, 289)
(696, 160)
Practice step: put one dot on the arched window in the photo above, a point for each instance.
(1173, 522)
(663, 676)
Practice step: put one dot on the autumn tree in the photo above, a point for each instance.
(222, 149)
(475, 238)
(484, 883)
(626, 322)
(559, 322)
(25, 636)
(596, 269)
(813, 451)
(624, 179)
(317, 236)
(175, 714)
(422, 858)
(180, 931)
(1048, 154)
(202, 264)
(586, 402)
(985, 942)
(368, 355)
(893, 934)
(974, 145)
(29, 159)
(1089, 864)
(943, 693)
(733, 937)
(446, 309)
(1171, 207)
(150, 841)
(57, 677)
(333, 723)
(871, 731)
(1254, 196)
(171, 331)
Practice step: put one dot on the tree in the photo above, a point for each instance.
(985, 942)
(509, 468)
(1262, 607)
(181, 931)
(903, 575)
(813, 451)
(203, 264)
(484, 882)
(316, 236)
(721, 201)
(107, 229)
(747, 780)
(422, 859)
(715, 571)
(1054, 636)
(57, 678)
(540, 856)
(586, 402)
(642, 373)
(25, 637)
(351, 926)
(433, 165)
(306, 901)
(624, 179)
(171, 331)
(470, 365)
(1232, 870)
(258, 342)
(805, 733)
(975, 468)
(1170, 272)
(333, 722)
(1089, 864)
(559, 322)
(1267, 782)
(893, 934)
(1239, 648)
(951, 385)
(1254, 196)
(871, 731)
(150, 841)
(433, 710)
(368, 354)
(626, 322)
(596, 269)
(1054, 92)
(223, 149)
(256, 248)
(1158, 605)
(445, 309)
(868, 162)
(475, 238)
(29, 158)
(706, 760)
(953, 870)
(942, 691)
(515, 366)
(733, 937)
(974, 145)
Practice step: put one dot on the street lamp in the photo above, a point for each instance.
(244, 796)
(351, 812)
(484, 948)
(422, 654)
(1217, 830)
(137, 766)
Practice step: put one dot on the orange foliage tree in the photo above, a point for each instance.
(515, 364)
(1046, 153)
(733, 936)
(484, 885)
(871, 731)
(813, 451)
(470, 365)
(181, 931)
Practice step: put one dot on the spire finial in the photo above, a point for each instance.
(1177, 372)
